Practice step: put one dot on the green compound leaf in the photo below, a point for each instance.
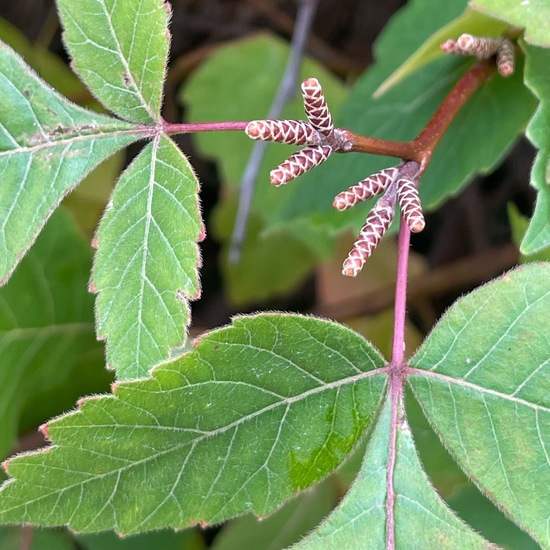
(120, 51)
(258, 411)
(47, 145)
(534, 15)
(422, 520)
(486, 360)
(537, 78)
(46, 321)
(145, 269)
(476, 141)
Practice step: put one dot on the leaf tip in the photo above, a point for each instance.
(202, 233)
(95, 243)
(43, 429)
(91, 288)
(6, 465)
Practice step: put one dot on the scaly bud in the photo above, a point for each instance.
(407, 196)
(293, 132)
(316, 107)
(299, 163)
(482, 48)
(376, 224)
(450, 46)
(506, 58)
(365, 189)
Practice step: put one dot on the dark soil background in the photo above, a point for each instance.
(465, 243)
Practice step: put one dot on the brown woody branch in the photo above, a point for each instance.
(421, 148)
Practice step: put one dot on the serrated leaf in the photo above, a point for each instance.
(422, 520)
(47, 145)
(145, 269)
(537, 79)
(534, 15)
(476, 141)
(46, 321)
(469, 21)
(120, 51)
(486, 360)
(258, 411)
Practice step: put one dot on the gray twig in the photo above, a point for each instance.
(286, 90)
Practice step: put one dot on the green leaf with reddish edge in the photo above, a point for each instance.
(47, 145)
(488, 360)
(46, 321)
(469, 21)
(476, 141)
(534, 15)
(145, 269)
(258, 411)
(120, 51)
(422, 519)
(537, 78)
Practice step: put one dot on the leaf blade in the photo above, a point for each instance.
(360, 520)
(145, 270)
(200, 466)
(41, 132)
(533, 15)
(120, 51)
(505, 453)
(537, 236)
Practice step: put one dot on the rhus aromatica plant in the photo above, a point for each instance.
(256, 416)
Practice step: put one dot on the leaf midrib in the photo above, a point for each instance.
(284, 402)
(137, 132)
(463, 383)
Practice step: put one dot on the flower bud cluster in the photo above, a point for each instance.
(317, 134)
(320, 139)
(484, 48)
(400, 185)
